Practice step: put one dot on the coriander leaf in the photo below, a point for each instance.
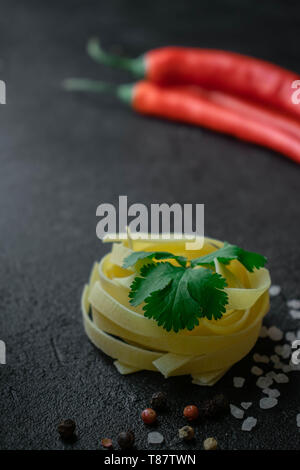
(230, 252)
(177, 297)
(207, 289)
(158, 255)
(154, 277)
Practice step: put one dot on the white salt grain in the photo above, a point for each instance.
(249, 423)
(155, 438)
(263, 332)
(246, 404)
(275, 334)
(278, 365)
(286, 351)
(256, 370)
(236, 412)
(274, 358)
(294, 303)
(290, 336)
(264, 382)
(272, 392)
(283, 351)
(295, 314)
(274, 290)
(271, 374)
(262, 359)
(267, 403)
(281, 379)
(238, 382)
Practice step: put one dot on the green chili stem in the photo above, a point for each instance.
(123, 92)
(135, 66)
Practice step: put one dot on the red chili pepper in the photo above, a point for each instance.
(180, 104)
(230, 72)
(215, 112)
(251, 110)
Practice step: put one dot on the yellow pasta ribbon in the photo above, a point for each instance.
(138, 343)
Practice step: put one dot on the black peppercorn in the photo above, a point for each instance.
(158, 401)
(221, 402)
(215, 407)
(66, 428)
(126, 439)
(209, 409)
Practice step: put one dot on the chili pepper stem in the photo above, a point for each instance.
(123, 92)
(135, 66)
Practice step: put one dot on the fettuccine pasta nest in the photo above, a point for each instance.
(137, 343)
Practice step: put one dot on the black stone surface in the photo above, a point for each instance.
(63, 154)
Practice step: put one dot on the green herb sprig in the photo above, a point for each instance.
(177, 296)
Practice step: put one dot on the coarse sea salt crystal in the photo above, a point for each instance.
(283, 351)
(272, 392)
(263, 332)
(236, 412)
(281, 379)
(290, 336)
(298, 420)
(256, 370)
(267, 403)
(271, 374)
(278, 365)
(274, 358)
(238, 382)
(155, 438)
(275, 334)
(294, 303)
(274, 290)
(264, 382)
(249, 423)
(287, 368)
(262, 359)
(246, 404)
(286, 351)
(295, 314)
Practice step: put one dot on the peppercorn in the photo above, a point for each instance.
(107, 443)
(149, 416)
(126, 439)
(221, 402)
(210, 443)
(209, 409)
(159, 401)
(66, 428)
(214, 407)
(191, 412)
(186, 433)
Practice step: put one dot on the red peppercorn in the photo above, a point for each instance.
(107, 443)
(148, 416)
(191, 412)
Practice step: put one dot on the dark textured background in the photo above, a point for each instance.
(61, 155)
